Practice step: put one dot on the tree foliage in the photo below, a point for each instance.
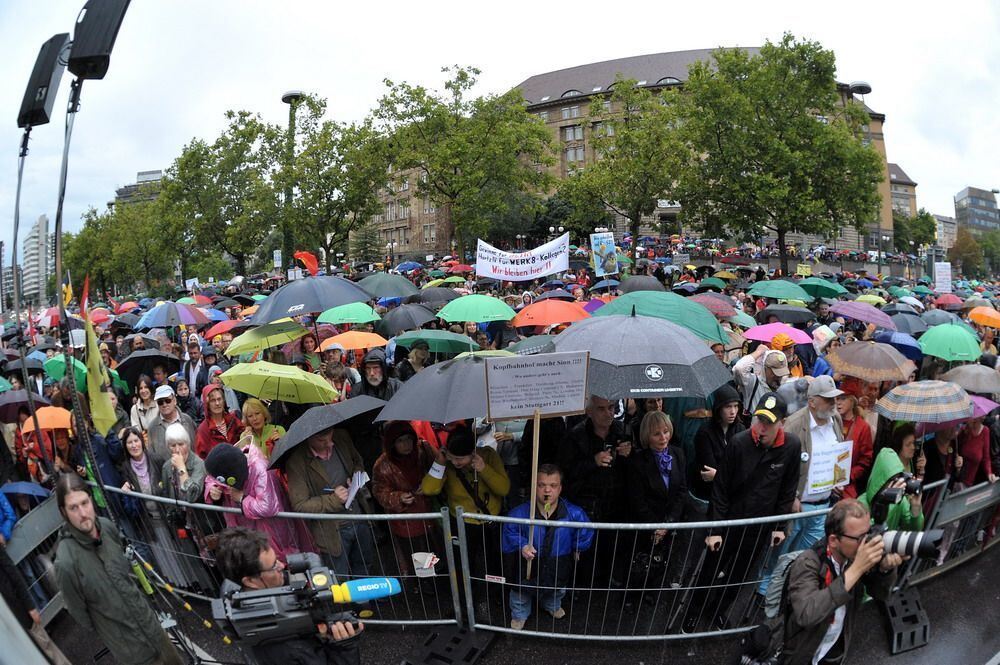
(966, 254)
(921, 229)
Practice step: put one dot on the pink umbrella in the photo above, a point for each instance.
(862, 311)
(325, 331)
(768, 332)
(716, 306)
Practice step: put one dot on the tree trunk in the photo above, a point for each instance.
(782, 253)
(241, 264)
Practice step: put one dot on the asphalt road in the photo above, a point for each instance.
(962, 605)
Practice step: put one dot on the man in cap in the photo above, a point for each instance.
(786, 345)
(169, 414)
(757, 477)
(758, 373)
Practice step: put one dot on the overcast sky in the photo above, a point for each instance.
(179, 65)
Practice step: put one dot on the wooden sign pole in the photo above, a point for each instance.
(534, 483)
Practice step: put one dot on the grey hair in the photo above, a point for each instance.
(177, 433)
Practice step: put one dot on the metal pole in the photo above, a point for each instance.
(291, 98)
(450, 557)
(463, 547)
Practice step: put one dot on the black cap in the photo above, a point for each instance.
(771, 407)
(228, 465)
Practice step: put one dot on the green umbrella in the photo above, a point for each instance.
(55, 367)
(624, 259)
(437, 273)
(779, 289)
(118, 382)
(743, 320)
(438, 341)
(387, 285)
(5, 385)
(672, 307)
(818, 287)
(922, 290)
(454, 280)
(476, 308)
(532, 345)
(950, 342)
(355, 312)
(713, 281)
(187, 300)
(287, 383)
(266, 336)
(259, 297)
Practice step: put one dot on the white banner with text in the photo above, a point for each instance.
(552, 257)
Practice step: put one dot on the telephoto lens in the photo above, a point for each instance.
(921, 544)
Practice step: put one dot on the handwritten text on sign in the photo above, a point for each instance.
(552, 383)
(552, 257)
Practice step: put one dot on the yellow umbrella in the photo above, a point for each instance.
(433, 283)
(872, 299)
(725, 274)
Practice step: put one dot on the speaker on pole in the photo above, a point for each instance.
(36, 107)
(96, 30)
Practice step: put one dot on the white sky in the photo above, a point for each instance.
(179, 65)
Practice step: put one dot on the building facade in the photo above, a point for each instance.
(8, 286)
(976, 210)
(903, 190)
(410, 226)
(145, 188)
(947, 228)
(35, 262)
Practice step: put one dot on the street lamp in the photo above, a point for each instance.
(554, 229)
(390, 249)
(291, 98)
(520, 240)
(882, 239)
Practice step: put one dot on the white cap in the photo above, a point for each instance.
(163, 392)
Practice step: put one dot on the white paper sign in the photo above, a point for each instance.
(553, 383)
(543, 260)
(681, 260)
(604, 253)
(829, 467)
(942, 276)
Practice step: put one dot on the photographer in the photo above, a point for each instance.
(245, 557)
(826, 586)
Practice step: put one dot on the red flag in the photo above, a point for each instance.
(309, 261)
(114, 304)
(84, 297)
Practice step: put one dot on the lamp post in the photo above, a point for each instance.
(291, 98)
(556, 230)
(390, 248)
(520, 240)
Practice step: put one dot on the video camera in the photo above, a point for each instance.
(922, 544)
(307, 598)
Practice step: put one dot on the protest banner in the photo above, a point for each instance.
(829, 467)
(942, 276)
(804, 270)
(681, 260)
(604, 254)
(552, 257)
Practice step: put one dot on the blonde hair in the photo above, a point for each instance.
(252, 403)
(651, 421)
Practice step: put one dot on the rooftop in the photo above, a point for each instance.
(897, 176)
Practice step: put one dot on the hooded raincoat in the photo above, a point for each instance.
(208, 435)
(396, 475)
(887, 464)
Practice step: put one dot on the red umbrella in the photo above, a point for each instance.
(550, 311)
(949, 301)
(49, 318)
(716, 306)
(224, 327)
(201, 300)
(126, 307)
(100, 315)
(461, 267)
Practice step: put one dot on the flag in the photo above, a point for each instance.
(67, 289)
(308, 260)
(101, 410)
(85, 298)
(112, 301)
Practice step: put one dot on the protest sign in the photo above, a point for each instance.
(681, 260)
(604, 253)
(804, 270)
(829, 467)
(942, 276)
(552, 257)
(554, 384)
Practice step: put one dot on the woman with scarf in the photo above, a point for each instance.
(220, 425)
(398, 473)
(259, 428)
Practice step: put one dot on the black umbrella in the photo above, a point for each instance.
(33, 366)
(149, 342)
(386, 285)
(435, 294)
(244, 300)
(320, 418)
(487, 281)
(442, 393)
(909, 324)
(789, 314)
(402, 318)
(12, 400)
(641, 283)
(307, 296)
(900, 308)
(556, 294)
(127, 321)
(224, 302)
(936, 317)
(642, 357)
(143, 362)
(46, 344)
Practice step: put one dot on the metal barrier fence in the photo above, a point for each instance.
(32, 549)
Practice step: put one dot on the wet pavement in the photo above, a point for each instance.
(962, 605)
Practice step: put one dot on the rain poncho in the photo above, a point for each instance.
(887, 464)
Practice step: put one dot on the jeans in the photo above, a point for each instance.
(802, 534)
(357, 551)
(521, 600)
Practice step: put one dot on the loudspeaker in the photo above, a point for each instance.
(96, 30)
(36, 107)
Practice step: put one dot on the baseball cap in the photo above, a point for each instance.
(771, 407)
(823, 386)
(781, 341)
(163, 392)
(777, 363)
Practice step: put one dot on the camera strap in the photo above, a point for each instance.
(482, 504)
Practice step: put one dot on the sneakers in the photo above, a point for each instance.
(558, 613)
(517, 624)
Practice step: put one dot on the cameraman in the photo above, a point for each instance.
(827, 584)
(246, 557)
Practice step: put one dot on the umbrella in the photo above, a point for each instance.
(529, 346)
(605, 284)
(438, 341)
(307, 296)
(404, 317)
(40, 356)
(222, 303)
(126, 307)
(442, 393)
(642, 283)
(99, 316)
(865, 283)
(973, 302)
(248, 312)
(143, 362)
(149, 342)
(12, 400)
(949, 301)
(318, 419)
(717, 306)
(435, 295)
(900, 308)
(556, 294)
(871, 361)
(711, 283)
(407, 266)
(861, 311)
(433, 283)
(743, 320)
(215, 314)
(769, 331)
(229, 325)
(872, 299)
(50, 417)
(912, 325)
(453, 280)
(169, 314)
(550, 312)
(554, 284)
(33, 367)
(949, 341)
(354, 339)
(478, 308)
(641, 357)
(975, 378)
(593, 305)
(913, 302)
(671, 307)
(355, 312)
(127, 320)
(269, 381)
(244, 299)
(686, 287)
(437, 273)
(926, 402)
(922, 290)
(387, 285)
(936, 317)
(817, 287)
(26, 488)
(265, 337)
(56, 368)
(195, 300)
(902, 342)
(779, 289)
(986, 316)
(786, 314)
(258, 297)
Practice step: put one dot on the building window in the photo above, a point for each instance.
(570, 112)
(606, 105)
(430, 232)
(404, 209)
(573, 133)
(603, 129)
(544, 116)
(428, 206)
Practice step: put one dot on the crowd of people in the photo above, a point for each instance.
(743, 452)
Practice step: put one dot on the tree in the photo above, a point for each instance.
(576, 213)
(636, 144)
(920, 229)
(365, 244)
(469, 152)
(966, 254)
(139, 251)
(770, 147)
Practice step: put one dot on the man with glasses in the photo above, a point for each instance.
(166, 400)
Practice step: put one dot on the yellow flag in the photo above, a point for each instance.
(101, 410)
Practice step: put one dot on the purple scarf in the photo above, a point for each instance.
(665, 463)
(141, 469)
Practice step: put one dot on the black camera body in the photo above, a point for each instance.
(922, 544)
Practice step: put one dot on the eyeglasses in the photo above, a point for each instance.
(276, 567)
(854, 538)
(164, 400)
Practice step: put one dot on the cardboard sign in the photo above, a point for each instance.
(829, 467)
(555, 384)
(804, 269)
(942, 276)
(552, 257)
(604, 254)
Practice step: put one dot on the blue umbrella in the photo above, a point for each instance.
(38, 355)
(662, 259)
(389, 302)
(902, 342)
(605, 284)
(408, 266)
(22, 487)
(146, 302)
(865, 283)
(215, 315)
(686, 286)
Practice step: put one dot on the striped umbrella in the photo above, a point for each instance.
(926, 402)
(871, 361)
(716, 306)
(861, 311)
